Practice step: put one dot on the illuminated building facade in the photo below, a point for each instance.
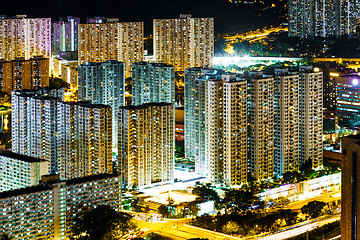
(350, 187)
(235, 131)
(23, 37)
(226, 130)
(146, 144)
(24, 74)
(261, 125)
(75, 137)
(323, 18)
(65, 34)
(286, 119)
(311, 116)
(216, 125)
(152, 82)
(47, 211)
(84, 139)
(103, 83)
(19, 171)
(123, 41)
(185, 42)
(195, 115)
(348, 97)
(33, 121)
(330, 88)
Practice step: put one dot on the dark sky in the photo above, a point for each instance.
(227, 16)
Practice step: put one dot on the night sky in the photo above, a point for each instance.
(228, 17)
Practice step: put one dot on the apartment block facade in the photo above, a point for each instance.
(146, 144)
(185, 42)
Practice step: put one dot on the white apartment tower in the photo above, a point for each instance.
(311, 115)
(33, 120)
(185, 42)
(146, 144)
(287, 122)
(195, 115)
(124, 42)
(103, 83)
(25, 37)
(261, 125)
(152, 82)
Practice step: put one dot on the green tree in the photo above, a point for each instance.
(281, 202)
(193, 208)
(163, 210)
(101, 223)
(313, 208)
(239, 200)
(205, 192)
(154, 236)
(135, 205)
(231, 228)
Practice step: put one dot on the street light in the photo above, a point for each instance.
(214, 221)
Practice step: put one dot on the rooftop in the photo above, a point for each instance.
(21, 157)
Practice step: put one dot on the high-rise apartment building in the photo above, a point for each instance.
(65, 34)
(261, 125)
(123, 41)
(152, 82)
(76, 138)
(185, 42)
(235, 131)
(311, 116)
(195, 115)
(25, 37)
(24, 74)
(47, 211)
(226, 130)
(287, 122)
(19, 171)
(131, 40)
(216, 125)
(84, 139)
(33, 121)
(103, 83)
(323, 18)
(146, 144)
(350, 187)
(347, 96)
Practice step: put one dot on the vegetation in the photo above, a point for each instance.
(180, 149)
(247, 224)
(313, 209)
(155, 236)
(102, 223)
(55, 82)
(205, 192)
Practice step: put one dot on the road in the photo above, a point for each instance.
(178, 230)
(329, 197)
(291, 232)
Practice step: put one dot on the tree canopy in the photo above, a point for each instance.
(101, 223)
(205, 192)
(313, 208)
